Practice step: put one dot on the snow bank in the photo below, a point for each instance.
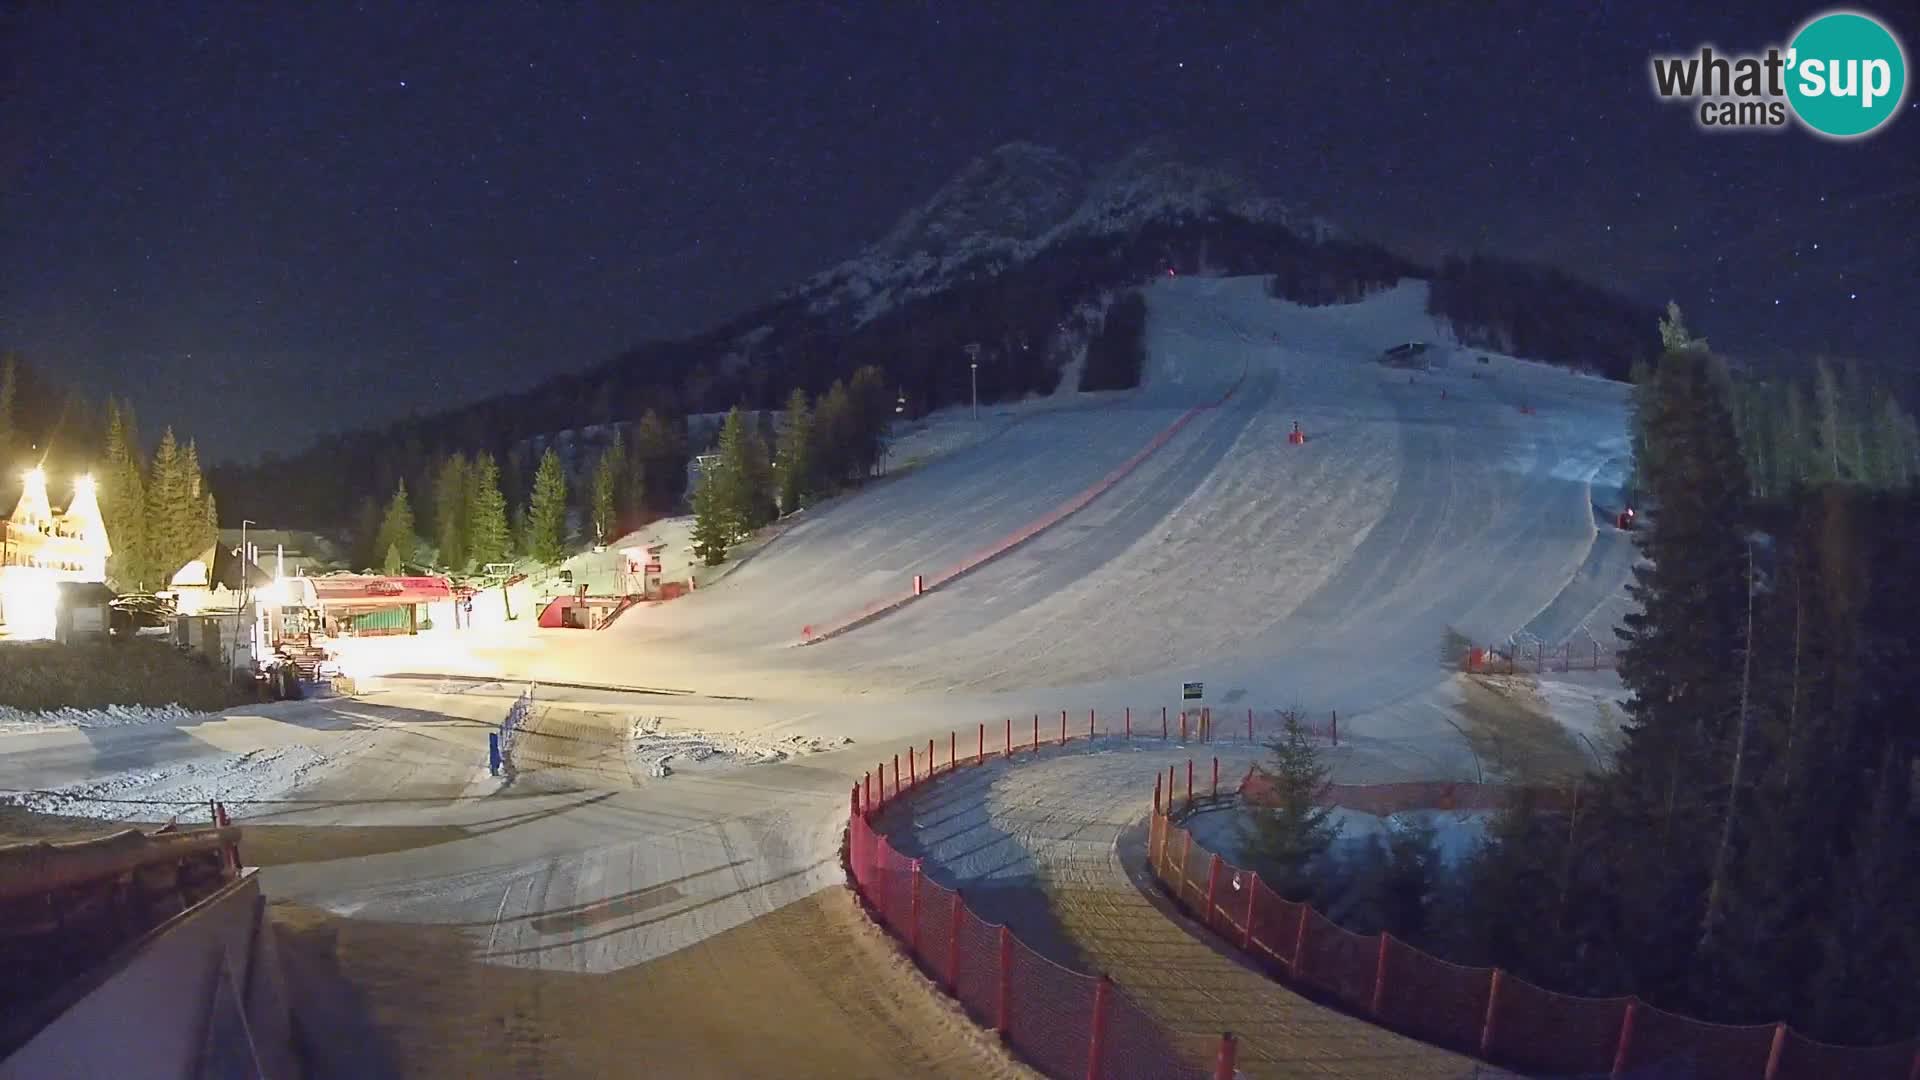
(179, 789)
(660, 752)
(16, 720)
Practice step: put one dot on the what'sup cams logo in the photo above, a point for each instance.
(1842, 75)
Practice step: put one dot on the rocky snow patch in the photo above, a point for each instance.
(182, 788)
(659, 751)
(16, 720)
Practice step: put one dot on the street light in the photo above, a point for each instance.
(973, 366)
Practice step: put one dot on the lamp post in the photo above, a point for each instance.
(973, 367)
(241, 611)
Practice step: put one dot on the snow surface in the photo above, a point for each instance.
(1321, 575)
(17, 720)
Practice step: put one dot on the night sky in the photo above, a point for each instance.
(266, 221)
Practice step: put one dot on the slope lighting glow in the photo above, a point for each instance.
(28, 601)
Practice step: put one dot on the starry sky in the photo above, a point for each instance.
(265, 221)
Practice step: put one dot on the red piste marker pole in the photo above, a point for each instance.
(1063, 727)
(980, 754)
(913, 777)
(1163, 722)
(1129, 723)
(1090, 713)
(1006, 749)
(1036, 731)
(953, 750)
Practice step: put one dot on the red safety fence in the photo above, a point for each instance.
(1063, 1022)
(1540, 658)
(927, 582)
(1485, 1012)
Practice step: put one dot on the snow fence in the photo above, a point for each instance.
(1485, 1012)
(1065, 1023)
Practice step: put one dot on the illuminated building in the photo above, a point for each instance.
(39, 548)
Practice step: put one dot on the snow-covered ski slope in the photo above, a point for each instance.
(1323, 574)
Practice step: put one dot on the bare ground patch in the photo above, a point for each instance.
(811, 989)
(1513, 733)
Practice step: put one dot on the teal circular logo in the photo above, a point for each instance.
(1846, 74)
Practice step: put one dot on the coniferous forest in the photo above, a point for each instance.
(1751, 853)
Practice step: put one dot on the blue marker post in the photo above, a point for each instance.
(493, 753)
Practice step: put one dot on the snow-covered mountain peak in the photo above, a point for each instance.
(1015, 194)
(1020, 199)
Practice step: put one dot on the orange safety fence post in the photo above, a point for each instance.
(913, 777)
(896, 776)
(1090, 715)
(1299, 943)
(953, 942)
(930, 769)
(1493, 1014)
(1063, 727)
(1252, 881)
(855, 811)
(1156, 793)
(1036, 731)
(1007, 749)
(1206, 723)
(1626, 1032)
(980, 754)
(1186, 854)
(913, 922)
(1129, 722)
(1163, 721)
(1216, 777)
(953, 750)
(1097, 1037)
(1223, 1059)
(1003, 1017)
(1189, 783)
(869, 799)
(1170, 789)
(1380, 976)
(1778, 1047)
(1213, 889)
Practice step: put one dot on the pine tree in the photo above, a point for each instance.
(660, 461)
(743, 479)
(1681, 659)
(394, 563)
(489, 537)
(872, 417)
(609, 477)
(451, 499)
(1286, 828)
(547, 510)
(169, 503)
(714, 526)
(834, 437)
(123, 507)
(200, 520)
(795, 457)
(397, 535)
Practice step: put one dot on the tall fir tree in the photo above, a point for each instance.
(1286, 828)
(1681, 658)
(451, 500)
(714, 526)
(547, 510)
(170, 513)
(794, 459)
(123, 506)
(609, 480)
(397, 537)
(489, 536)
